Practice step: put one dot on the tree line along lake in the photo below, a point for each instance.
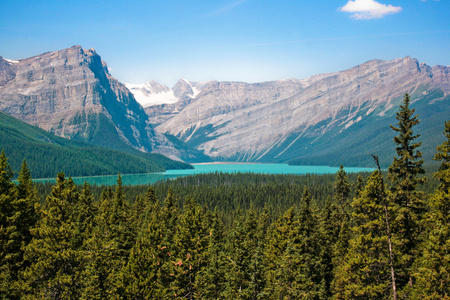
(203, 168)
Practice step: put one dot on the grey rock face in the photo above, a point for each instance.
(71, 93)
(250, 122)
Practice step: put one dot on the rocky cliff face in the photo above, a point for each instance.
(280, 120)
(71, 93)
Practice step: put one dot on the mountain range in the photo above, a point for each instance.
(71, 93)
(331, 119)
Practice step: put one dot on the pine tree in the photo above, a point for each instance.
(409, 207)
(190, 243)
(281, 235)
(55, 264)
(24, 215)
(364, 273)
(210, 283)
(241, 246)
(341, 188)
(15, 223)
(359, 186)
(109, 247)
(432, 269)
(6, 175)
(84, 213)
(6, 211)
(330, 224)
(142, 274)
(309, 246)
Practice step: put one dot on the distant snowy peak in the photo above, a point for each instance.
(153, 93)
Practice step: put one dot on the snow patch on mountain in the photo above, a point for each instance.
(152, 93)
(12, 61)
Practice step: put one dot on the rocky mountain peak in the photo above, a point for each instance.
(250, 122)
(71, 93)
(183, 89)
(7, 72)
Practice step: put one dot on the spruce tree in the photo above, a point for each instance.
(280, 237)
(23, 218)
(341, 188)
(409, 207)
(210, 283)
(364, 273)
(432, 269)
(330, 223)
(241, 246)
(6, 175)
(6, 211)
(55, 270)
(142, 274)
(84, 213)
(309, 246)
(359, 186)
(12, 233)
(190, 245)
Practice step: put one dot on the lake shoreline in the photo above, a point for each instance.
(210, 167)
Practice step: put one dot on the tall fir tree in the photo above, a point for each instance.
(55, 270)
(6, 212)
(109, 246)
(330, 224)
(309, 246)
(341, 188)
(241, 246)
(190, 247)
(409, 206)
(278, 253)
(364, 272)
(24, 209)
(142, 274)
(210, 283)
(432, 269)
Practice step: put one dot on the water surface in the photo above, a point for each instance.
(135, 179)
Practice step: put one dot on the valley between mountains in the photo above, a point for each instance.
(327, 119)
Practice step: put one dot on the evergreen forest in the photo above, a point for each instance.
(383, 235)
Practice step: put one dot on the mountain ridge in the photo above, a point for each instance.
(71, 93)
(239, 121)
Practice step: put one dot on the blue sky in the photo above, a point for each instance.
(238, 40)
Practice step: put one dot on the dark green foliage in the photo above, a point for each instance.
(432, 269)
(47, 154)
(55, 262)
(364, 272)
(18, 215)
(341, 188)
(269, 237)
(210, 282)
(409, 205)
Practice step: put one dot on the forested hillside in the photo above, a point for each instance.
(47, 154)
(241, 236)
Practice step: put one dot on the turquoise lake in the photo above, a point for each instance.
(135, 179)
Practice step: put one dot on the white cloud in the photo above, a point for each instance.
(369, 9)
